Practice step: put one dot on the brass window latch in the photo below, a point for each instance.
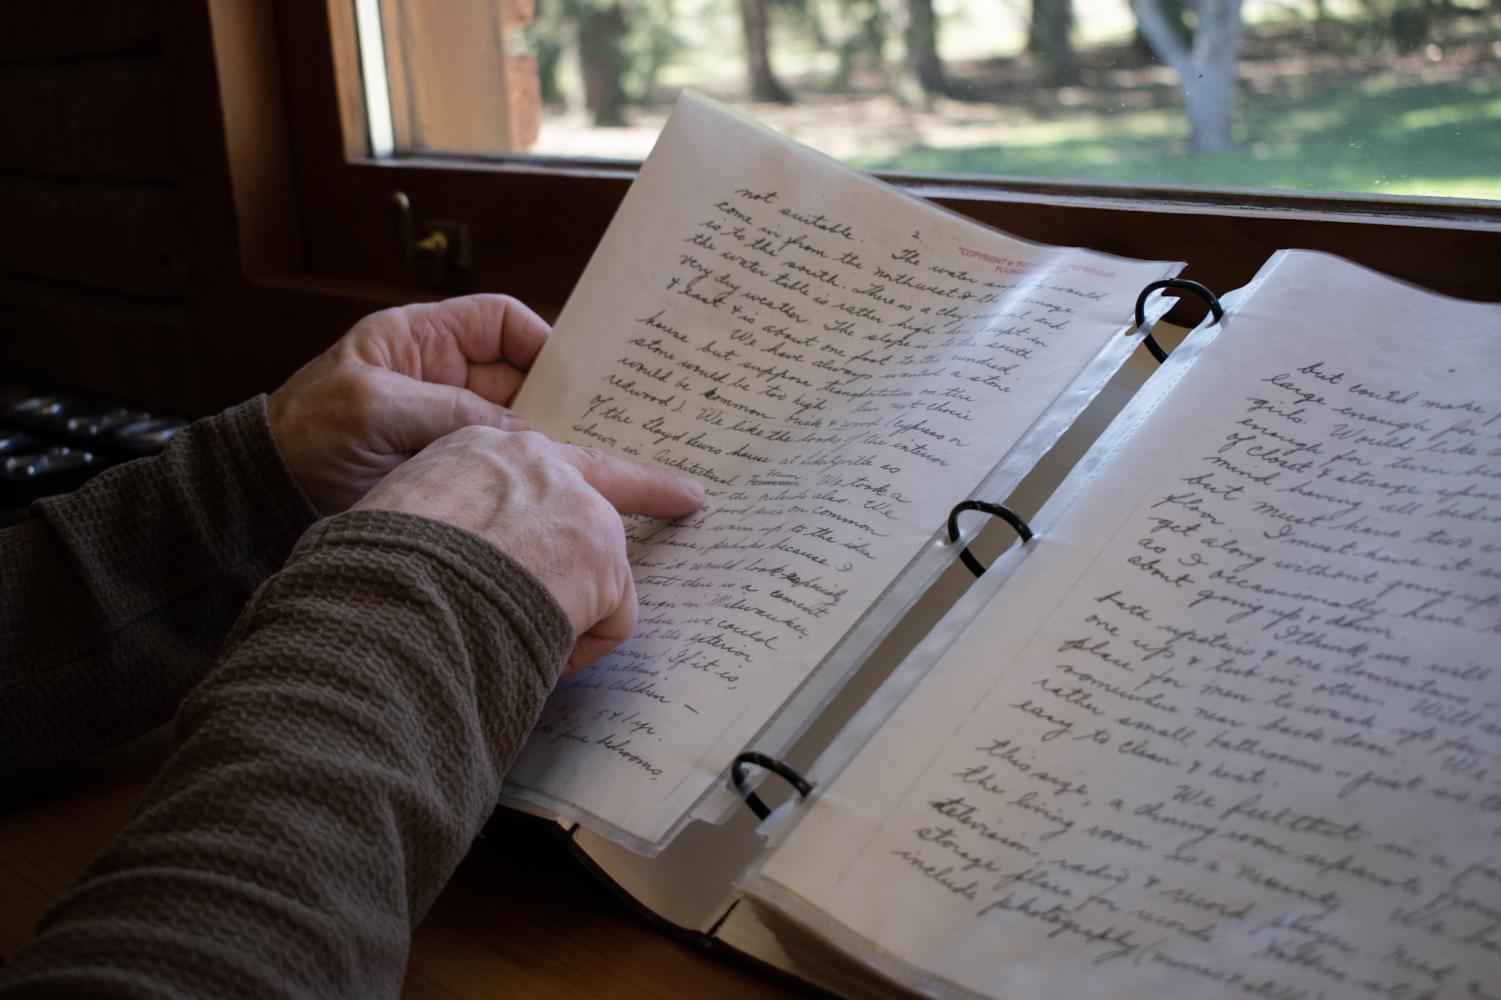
(441, 240)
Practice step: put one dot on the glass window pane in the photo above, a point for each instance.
(1383, 96)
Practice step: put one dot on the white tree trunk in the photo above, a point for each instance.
(1206, 71)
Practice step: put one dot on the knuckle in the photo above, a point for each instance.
(530, 443)
(534, 452)
(368, 326)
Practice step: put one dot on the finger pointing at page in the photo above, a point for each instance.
(555, 508)
(634, 488)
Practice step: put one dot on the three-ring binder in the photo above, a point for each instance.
(773, 764)
(1181, 284)
(1023, 530)
(999, 510)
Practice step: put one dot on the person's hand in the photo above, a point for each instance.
(397, 381)
(552, 507)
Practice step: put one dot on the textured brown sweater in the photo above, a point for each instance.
(332, 766)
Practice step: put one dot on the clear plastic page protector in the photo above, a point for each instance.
(910, 672)
(840, 364)
(1229, 727)
(913, 583)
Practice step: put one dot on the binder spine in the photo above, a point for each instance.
(999, 510)
(1179, 284)
(773, 764)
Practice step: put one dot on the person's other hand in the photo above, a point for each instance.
(552, 507)
(397, 381)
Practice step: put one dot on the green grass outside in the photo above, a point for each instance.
(1367, 134)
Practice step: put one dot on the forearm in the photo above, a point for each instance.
(114, 600)
(333, 769)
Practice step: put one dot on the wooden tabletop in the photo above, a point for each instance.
(519, 918)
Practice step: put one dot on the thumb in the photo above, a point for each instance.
(418, 413)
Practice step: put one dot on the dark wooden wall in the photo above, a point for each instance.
(124, 269)
(95, 277)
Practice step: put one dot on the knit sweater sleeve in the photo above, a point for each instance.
(332, 770)
(115, 599)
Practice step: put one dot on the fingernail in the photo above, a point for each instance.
(514, 423)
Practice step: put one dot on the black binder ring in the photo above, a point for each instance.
(781, 767)
(995, 510)
(1182, 284)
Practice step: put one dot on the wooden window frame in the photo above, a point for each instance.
(534, 221)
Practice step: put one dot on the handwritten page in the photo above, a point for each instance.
(1233, 727)
(839, 364)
